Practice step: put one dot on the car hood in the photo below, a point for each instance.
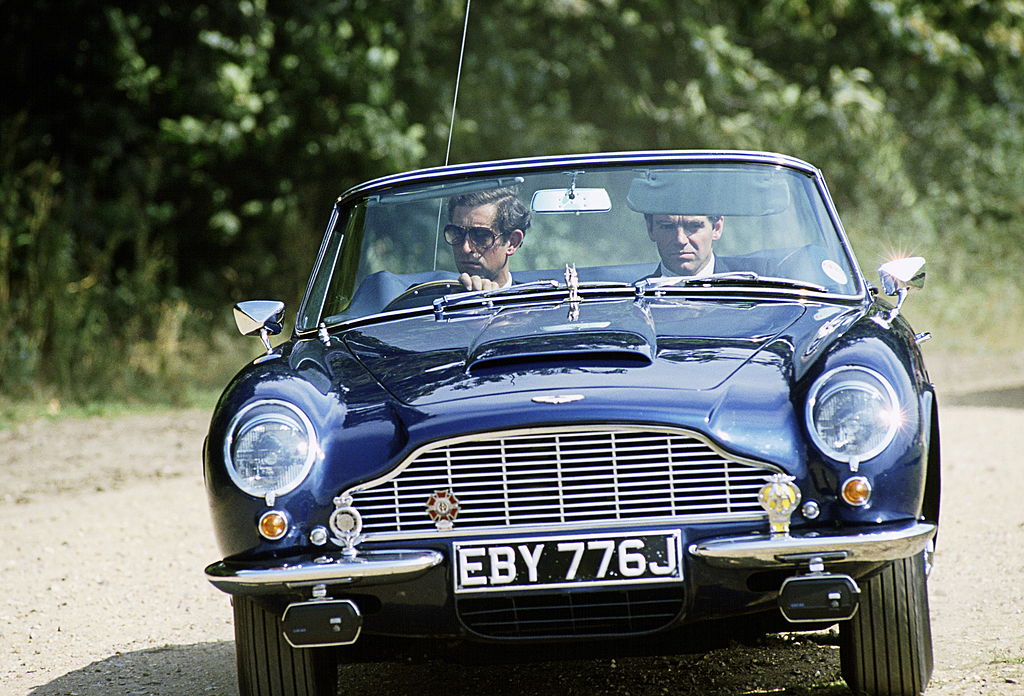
(656, 344)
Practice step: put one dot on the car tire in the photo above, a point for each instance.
(269, 666)
(886, 648)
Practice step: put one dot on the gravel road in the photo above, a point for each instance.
(104, 592)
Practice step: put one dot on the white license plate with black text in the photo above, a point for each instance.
(552, 562)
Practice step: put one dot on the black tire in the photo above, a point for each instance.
(886, 648)
(269, 666)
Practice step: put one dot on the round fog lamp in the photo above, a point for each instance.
(273, 525)
(856, 491)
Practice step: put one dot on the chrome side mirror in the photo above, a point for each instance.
(898, 278)
(261, 317)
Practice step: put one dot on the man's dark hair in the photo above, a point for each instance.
(713, 219)
(512, 213)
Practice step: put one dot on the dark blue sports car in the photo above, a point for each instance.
(580, 399)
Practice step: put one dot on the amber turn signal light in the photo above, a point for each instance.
(856, 491)
(273, 525)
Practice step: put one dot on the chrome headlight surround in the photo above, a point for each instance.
(270, 448)
(852, 413)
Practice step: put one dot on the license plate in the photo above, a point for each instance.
(553, 562)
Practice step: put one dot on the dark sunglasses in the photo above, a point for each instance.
(480, 237)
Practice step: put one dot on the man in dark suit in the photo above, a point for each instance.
(686, 244)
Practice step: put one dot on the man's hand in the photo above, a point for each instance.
(475, 282)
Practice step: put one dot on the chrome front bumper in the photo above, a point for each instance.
(330, 569)
(888, 543)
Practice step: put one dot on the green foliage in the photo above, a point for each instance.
(161, 160)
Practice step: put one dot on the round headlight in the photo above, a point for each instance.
(852, 413)
(270, 448)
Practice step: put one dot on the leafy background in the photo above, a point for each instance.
(161, 160)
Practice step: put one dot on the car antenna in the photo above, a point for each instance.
(458, 77)
(451, 124)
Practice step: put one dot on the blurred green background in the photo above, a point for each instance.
(161, 160)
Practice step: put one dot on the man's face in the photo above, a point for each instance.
(684, 241)
(489, 263)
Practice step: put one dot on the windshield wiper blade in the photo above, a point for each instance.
(522, 287)
(731, 278)
(448, 301)
(554, 285)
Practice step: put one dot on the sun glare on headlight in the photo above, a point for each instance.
(852, 413)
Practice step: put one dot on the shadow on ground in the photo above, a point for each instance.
(202, 669)
(1003, 397)
(777, 664)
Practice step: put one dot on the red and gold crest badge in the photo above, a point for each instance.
(443, 508)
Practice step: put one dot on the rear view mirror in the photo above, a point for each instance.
(571, 200)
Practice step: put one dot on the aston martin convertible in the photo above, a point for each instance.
(592, 400)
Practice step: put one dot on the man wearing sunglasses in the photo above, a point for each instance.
(485, 229)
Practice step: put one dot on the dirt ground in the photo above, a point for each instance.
(108, 534)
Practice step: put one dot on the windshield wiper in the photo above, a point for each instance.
(521, 287)
(732, 278)
(448, 301)
(554, 285)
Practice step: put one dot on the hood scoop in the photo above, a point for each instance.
(542, 337)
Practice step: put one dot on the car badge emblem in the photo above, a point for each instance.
(443, 508)
(557, 399)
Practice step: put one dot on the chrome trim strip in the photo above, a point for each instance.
(637, 157)
(511, 532)
(498, 434)
(888, 543)
(230, 578)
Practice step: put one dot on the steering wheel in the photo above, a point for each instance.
(424, 294)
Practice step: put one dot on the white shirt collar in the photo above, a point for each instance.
(709, 269)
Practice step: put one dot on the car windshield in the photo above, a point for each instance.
(749, 222)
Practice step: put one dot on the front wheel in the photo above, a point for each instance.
(886, 648)
(269, 666)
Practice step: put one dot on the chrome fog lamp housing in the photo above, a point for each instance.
(270, 448)
(852, 414)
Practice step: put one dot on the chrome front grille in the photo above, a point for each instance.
(562, 476)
